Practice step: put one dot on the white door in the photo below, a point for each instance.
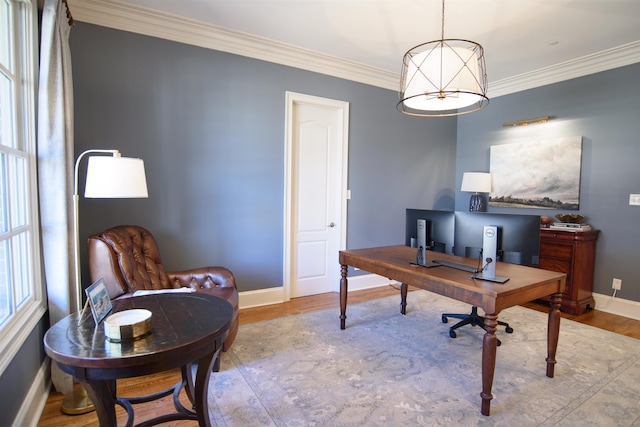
(316, 194)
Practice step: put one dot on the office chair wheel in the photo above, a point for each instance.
(509, 330)
(452, 334)
(445, 320)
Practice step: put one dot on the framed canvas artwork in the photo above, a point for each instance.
(537, 174)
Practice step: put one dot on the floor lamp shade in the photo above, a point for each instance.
(115, 177)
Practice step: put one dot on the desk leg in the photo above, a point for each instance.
(553, 331)
(343, 295)
(403, 297)
(489, 346)
(102, 394)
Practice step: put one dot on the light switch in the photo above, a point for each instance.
(634, 199)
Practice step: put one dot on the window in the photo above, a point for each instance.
(21, 288)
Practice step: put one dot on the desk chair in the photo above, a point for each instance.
(473, 318)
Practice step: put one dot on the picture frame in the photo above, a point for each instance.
(537, 174)
(98, 299)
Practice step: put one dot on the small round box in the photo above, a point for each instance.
(127, 325)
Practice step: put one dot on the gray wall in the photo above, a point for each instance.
(210, 128)
(603, 108)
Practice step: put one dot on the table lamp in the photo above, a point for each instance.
(476, 182)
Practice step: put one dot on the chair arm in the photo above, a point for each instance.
(200, 278)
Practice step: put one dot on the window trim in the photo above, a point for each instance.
(29, 314)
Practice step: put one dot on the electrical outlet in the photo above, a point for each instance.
(616, 284)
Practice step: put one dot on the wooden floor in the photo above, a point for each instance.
(52, 417)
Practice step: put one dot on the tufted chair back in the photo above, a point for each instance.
(138, 258)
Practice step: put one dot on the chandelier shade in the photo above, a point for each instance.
(442, 78)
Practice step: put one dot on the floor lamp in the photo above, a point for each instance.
(108, 177)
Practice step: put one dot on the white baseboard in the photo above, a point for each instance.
(33, 404)
(261, 297)
(621, 307)
(368, 281)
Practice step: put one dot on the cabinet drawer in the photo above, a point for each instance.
(556, 251)
(552, 264)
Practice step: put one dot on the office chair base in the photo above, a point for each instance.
(473, 319)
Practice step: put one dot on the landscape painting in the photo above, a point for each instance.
(537, 174)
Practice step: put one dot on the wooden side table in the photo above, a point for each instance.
(185, 328)
(573, 253)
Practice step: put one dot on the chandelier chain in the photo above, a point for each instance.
(442, 34)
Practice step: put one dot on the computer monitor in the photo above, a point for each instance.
(439, 227)
(518, 236)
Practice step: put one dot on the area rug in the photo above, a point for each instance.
(386, 369)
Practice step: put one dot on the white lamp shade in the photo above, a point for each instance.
(476, 182)
(115, 177)
(442, 78)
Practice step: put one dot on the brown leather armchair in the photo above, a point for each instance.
(127, 258)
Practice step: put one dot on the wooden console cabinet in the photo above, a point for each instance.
(573, 253)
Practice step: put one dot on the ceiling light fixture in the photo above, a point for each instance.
(525, 122)
(443, 78)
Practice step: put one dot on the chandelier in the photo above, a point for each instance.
(443, 78)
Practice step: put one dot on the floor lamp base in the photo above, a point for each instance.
(77, 402)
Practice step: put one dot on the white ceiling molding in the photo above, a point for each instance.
(170, 27)
(606, 60)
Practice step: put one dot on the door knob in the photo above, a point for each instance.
(331, 225)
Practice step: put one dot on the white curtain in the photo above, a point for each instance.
(55, 167)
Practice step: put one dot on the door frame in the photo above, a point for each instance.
(342, 107)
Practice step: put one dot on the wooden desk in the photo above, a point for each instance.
(185, 328)
(525, 284)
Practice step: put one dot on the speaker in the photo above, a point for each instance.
(489, 251)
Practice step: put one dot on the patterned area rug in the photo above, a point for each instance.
(386, 369)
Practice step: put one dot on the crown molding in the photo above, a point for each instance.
(125, 17)
(601, 61)
(148, 22)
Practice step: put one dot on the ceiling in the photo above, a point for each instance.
(522, 39)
